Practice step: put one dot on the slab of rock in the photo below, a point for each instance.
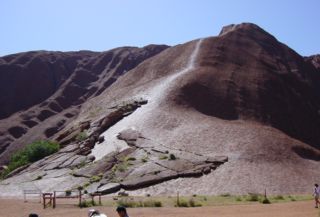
(109, 188)
(129, 135)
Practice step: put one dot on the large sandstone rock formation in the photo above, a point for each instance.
(236, 113)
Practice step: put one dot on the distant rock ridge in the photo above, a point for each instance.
(314, 60)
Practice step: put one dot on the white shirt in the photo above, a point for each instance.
(316, 191)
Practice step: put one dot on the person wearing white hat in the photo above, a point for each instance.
(95, 213)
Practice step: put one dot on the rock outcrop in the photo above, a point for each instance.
(41, 91)
(143, 164)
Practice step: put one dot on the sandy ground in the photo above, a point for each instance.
(17, 208)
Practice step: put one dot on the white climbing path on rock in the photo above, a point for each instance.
(154, 96)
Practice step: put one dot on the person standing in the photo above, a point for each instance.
(316, 194)
(122, 212)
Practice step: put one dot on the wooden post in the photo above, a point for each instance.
(24, 196)
(265, 193)
(92, 198)
(80, 205)
(44, 201)
(54, 200)
(46, 196)
(100, 199)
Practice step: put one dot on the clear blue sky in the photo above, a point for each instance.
(104, 24)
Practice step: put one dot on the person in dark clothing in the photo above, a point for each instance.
(122, 211)
(316, 194)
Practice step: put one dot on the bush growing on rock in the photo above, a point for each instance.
(95, 178)
(82, 136)
(172, 157)
(163, 157)
(144, 159)
(31, 153)
(130, 159)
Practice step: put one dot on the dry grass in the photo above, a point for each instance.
(17, 208)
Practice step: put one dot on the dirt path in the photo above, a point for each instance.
(17, 208)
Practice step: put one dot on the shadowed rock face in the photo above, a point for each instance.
(48, 89)
(29, 78)
(247, 74)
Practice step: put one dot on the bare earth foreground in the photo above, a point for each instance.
(17, 208)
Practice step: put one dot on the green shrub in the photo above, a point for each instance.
(87, 203)
(279, 197)
(163, 157)
(238, 199)
(253, 197)
(144, 159)
(129, 203)
(95, 179)
(182, 203)
(156, 172)
(193, 203)
(38, 177)
(157, 204)
(152, 203)
(86, 184)
(31, 153)
(130, 159)
(82, 136)
(34, 152)
(265, 201)
(172, 157)
(122, 167)
(225, 195)
(292, 198)
(81, 164)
